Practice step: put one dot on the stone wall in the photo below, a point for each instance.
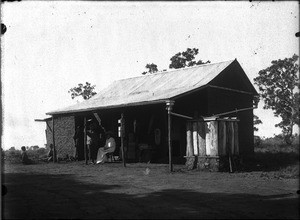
(216, 163)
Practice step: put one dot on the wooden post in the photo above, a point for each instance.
(208, 137)
(214, 130)
(222, 138)
(201, 138)
(236, 139)
(230, 143)
(122, 139)
(84, 140)
(53, 140)
(189, 139)
(212, 138)
(195, 138)
(169, 107)
(231, 137)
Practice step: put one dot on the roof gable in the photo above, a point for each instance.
(235, 78)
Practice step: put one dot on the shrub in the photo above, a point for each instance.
(42, 151)
(275, 144)
(12, 156)
(257, 141)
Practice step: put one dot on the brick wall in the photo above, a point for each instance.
(64, 128)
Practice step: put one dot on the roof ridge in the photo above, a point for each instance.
(173, 70)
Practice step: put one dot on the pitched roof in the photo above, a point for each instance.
(149, 89)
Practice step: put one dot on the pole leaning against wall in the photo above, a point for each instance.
(169, 107)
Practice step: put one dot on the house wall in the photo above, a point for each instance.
(210, 101)
(64, 128)
(193, 104)
(233, 77)
(223, 101)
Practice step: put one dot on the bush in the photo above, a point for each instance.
(14, 156)
(42, 151)
(275, 144)
(257, 141)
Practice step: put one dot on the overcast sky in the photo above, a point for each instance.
(52, 46)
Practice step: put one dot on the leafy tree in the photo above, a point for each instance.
(35, 147)
(86, 91)
(279, 88)
(152, 68)
(185, 59)
(256, 120)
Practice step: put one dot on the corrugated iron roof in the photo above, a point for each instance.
(148, 89)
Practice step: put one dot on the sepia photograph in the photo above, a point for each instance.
(150, 109)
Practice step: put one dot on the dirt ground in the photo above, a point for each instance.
(142, 191)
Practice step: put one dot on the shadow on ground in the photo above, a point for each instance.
(39, 196)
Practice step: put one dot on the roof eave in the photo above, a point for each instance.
(107, 107)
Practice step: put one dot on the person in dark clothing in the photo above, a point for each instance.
(77, 137)
(24, 156)
(93, 133)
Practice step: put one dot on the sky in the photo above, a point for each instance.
(51, 46)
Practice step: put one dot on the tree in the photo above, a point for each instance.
(35, 147)
(185, 59)
(86, 91)
(152, 68)
(256, 120)
(279, 88)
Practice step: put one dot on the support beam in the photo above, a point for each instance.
(99, 121)
(169, 108)
(84, 140)
(49, 127)
(228, 89)
(97, 117)
(122, 139)
(181, 116)
(234, 111)
(53, 141)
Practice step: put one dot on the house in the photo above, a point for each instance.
(149, 102)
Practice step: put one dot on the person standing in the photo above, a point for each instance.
(94, 143)
(77, 137)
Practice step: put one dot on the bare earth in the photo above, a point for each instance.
(110, 191)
